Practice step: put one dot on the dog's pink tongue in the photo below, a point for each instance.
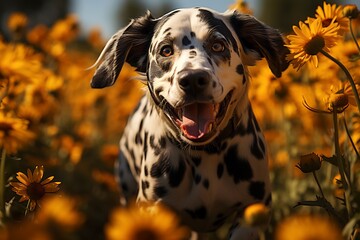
(196, 119)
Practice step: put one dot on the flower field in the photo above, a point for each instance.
(59, 138)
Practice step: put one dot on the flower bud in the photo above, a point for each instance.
(338, 101)
(351, 11)
(309, 163)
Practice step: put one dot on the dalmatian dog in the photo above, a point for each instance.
(193, 142)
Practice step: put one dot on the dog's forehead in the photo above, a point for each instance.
(196, 20)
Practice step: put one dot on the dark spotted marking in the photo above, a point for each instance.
(161, 167)
(198, 213)
(240, 69)
(186, 41)
(220, 170)
(192, 47)
(206, 183)
(214, 84)
(160, 191)
(237, 166)
(162, 21)
(192, 34)
(257, 190)
(155, 71)
(155, 147)
(197, 178)
(258, 148)
(196, 160)
(145, 185)
(176, 175)
(158, 90)
(146, 171)
(167, 30)
(145, 148)
(219, 26)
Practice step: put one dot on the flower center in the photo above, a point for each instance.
(326, 22)
(145, 234)
(35, 191)
(315, 45)
(6, 127)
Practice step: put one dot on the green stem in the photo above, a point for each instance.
(350, 138)
(2, 181)
(348, 76)
(27, 207)
(344, 177)
(318, 183)
(353, 35)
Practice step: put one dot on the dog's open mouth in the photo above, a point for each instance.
(198, 121)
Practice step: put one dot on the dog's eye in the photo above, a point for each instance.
(166, 51)
(218, 47)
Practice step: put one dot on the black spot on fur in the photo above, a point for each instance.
(167, 30)
(146, 171)
(220, 170)
(196, 160)
(186, 41)
(161, 22)
(237, 166)
(155, 71)
(214, 84)
(198, 213)
(158, 91)
(257, 190)
(160, 167)
(240, 69)
(255, 148)
(160, 191)
(155, 147)
(206, 183)
(144, 185)
(219, 26)
(192, 47)
(176, 175)
(197, 178)
(192, 34)
(145, 144)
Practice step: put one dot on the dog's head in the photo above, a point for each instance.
(195, 62)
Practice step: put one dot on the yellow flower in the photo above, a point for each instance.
(13, 133)
(30, 187)
(144, 223)
(330, 13)
(17, 22)
(309, 40)
(305, 227)
(60, 211)
(257, 215)
(241, 6)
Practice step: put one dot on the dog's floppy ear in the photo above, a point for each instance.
(130, 45)
(259, 41)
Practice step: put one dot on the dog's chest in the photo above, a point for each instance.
(204, 184)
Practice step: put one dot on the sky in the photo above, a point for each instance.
(102, 14)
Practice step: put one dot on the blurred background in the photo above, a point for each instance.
(110, 15)
(44, 51)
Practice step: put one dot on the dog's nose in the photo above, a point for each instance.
(194, 81)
